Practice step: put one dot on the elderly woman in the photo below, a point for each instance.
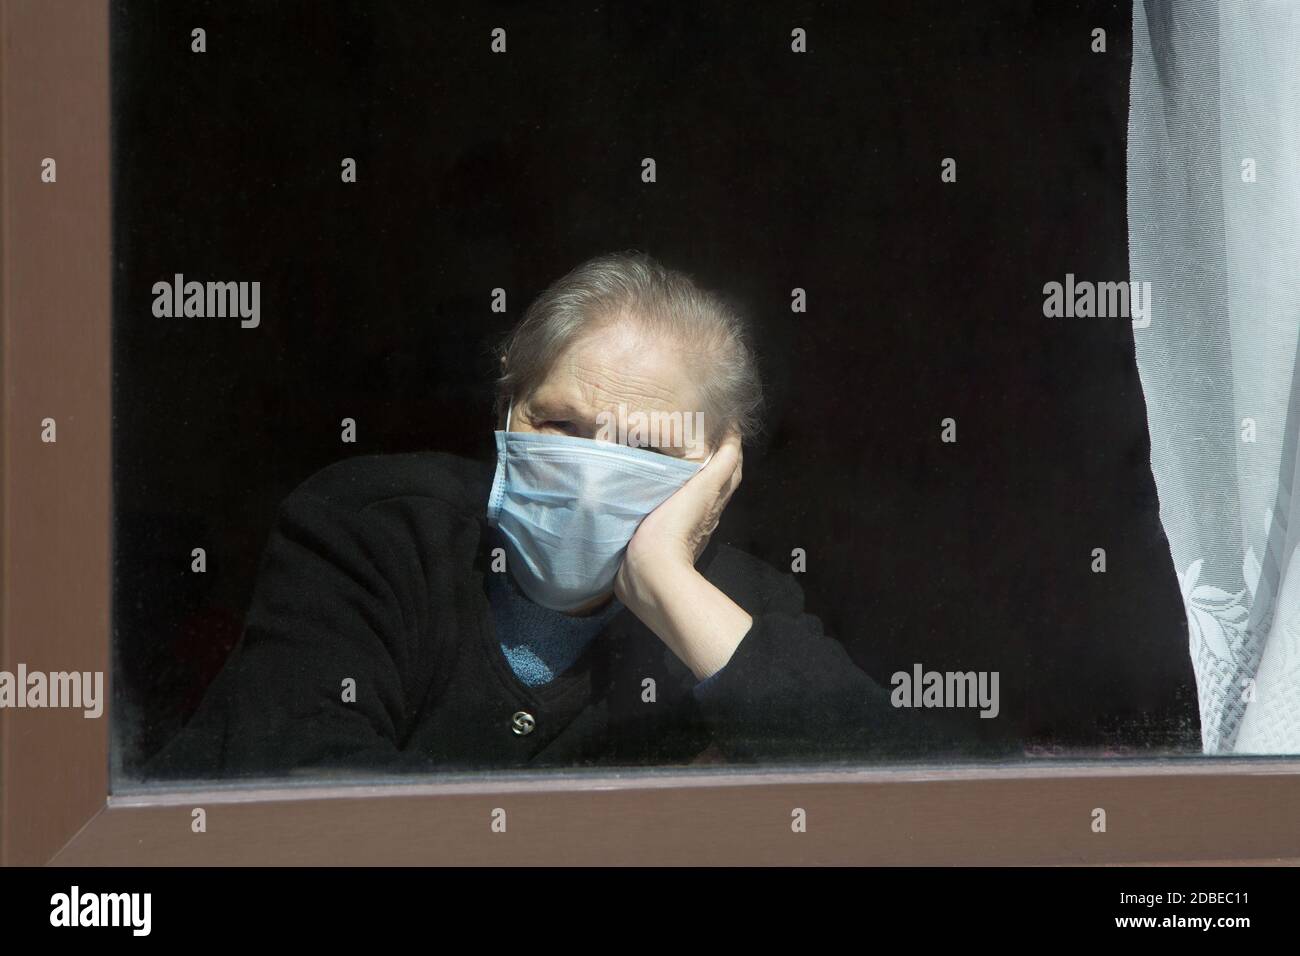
(565, 607)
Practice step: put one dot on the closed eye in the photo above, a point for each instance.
(567, 427)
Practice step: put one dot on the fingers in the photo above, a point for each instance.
(719, 478)
(732, 481)
(725, 464)
(726, 479)
(715, 483)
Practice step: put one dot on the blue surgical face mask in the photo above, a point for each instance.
(568, 507)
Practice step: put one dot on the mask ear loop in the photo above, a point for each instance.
(509, 411)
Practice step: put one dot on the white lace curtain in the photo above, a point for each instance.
(1214, 226)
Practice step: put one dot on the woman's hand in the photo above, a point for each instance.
(679, 529)
(658, 581)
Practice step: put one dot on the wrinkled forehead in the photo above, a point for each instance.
(620, 366)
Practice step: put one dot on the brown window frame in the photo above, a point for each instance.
(56, 805)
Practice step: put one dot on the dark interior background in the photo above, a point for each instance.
(775, 170)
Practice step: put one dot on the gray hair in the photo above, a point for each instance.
(632, 286)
